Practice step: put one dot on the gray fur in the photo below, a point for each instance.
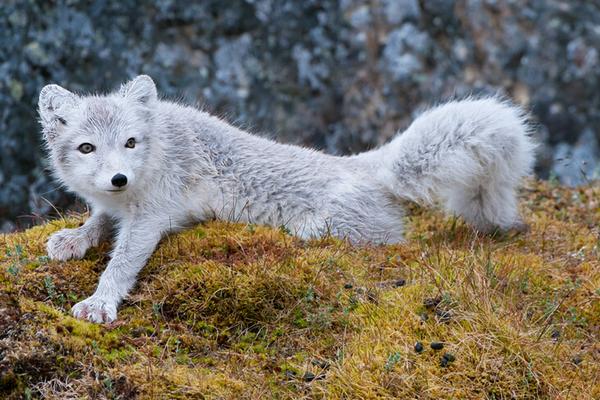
(188, 166)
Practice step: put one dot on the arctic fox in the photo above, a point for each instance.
(150, 167)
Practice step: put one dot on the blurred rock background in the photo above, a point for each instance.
(341, 75)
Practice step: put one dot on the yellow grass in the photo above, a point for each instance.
(236, 311)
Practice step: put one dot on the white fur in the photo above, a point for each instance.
(188, 166)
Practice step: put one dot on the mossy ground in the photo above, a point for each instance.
(236, 311)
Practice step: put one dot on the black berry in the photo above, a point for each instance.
(418, 347)
(437, 345)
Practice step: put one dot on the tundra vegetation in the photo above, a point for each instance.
(241, 311)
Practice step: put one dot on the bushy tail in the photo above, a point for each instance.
(471, 155)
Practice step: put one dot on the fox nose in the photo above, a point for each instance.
(119, 180)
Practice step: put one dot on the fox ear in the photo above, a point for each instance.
(140, 89)
(52, 105)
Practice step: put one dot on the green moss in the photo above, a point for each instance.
(230, 311)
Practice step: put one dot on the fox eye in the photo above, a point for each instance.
(130, 143)
(86, 148)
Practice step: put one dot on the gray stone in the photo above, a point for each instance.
(398, 11)
(230, 61)
(404, 51)
(579, 163)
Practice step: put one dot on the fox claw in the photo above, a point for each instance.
(67, 244)
(95, 309)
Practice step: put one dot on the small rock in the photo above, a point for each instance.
(437, 345)
(361, 17)
(404, 52)
(16, 89)
(577, 164)
(36, 54)
(577, 359)
(392, 283)
(446, 359)
(397, 11)
(320, 363)
(399, 283)
(372, 296)
(418, 347)
(443, 315)
(432, 302)
(290, 374)
(137, 332)
(308, 376)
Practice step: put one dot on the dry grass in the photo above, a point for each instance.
(233, 311)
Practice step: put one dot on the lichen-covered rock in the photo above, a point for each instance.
(241, 311)
(341, 75)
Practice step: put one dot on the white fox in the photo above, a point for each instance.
(150, 167)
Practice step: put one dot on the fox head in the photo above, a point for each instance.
(100, 145)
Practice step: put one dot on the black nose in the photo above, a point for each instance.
(119, 180)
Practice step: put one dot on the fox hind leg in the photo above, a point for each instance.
(487, 208)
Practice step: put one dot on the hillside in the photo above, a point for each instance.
(340, 76)
(236, 311)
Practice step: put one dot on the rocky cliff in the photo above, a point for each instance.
(340, 75)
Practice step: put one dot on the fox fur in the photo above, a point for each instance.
(187, 166)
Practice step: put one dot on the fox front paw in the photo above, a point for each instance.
(67, 244)
(95, 309)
